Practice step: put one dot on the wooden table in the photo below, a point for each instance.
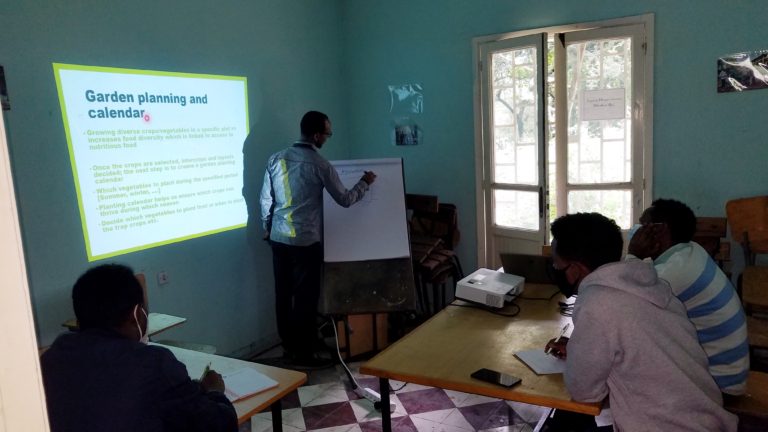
(288, 380)
(457, 341)
(156, 323)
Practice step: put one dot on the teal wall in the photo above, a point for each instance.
(339, 57)
(708, 147)
(289, 50)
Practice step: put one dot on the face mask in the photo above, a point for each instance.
(561, 280)
(143, 338)
(632, 230)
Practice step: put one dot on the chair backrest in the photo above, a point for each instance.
(754, 286)
(443, 224)
(421, 203)
(709, 232)
(752, 407)
(748, 218)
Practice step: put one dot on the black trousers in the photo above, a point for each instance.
(566, 421)
(298, 272)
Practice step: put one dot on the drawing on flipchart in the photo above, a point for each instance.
(350, 176)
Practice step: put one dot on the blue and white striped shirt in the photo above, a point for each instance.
(715, 310)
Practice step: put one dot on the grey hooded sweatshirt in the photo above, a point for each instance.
(633, 342)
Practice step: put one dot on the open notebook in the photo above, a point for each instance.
(246, 382)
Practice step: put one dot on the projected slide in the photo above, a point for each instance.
(156, 156)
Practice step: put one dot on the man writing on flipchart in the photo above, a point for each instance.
(292, 217)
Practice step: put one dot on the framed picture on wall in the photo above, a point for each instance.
(742, 71)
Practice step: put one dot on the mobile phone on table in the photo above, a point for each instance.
(495, 377)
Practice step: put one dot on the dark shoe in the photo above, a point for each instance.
(319, 345)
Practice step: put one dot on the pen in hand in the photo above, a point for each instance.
(562, 333)
(205, 371)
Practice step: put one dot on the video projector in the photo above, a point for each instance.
(490, 287)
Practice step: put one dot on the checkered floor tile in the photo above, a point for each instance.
(327, 404)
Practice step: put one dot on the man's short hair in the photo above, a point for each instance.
(104, 296)
(678, 217)
(589, 238)
(313, 122)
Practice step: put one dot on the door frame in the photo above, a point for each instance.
(647, 20)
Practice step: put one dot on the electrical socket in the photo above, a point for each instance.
(162, 277)
(374, 397)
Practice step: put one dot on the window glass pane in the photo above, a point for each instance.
(515, 119)
(516, 209)
(527, 172)
(615, 204)
(596, 136)
(614, 168)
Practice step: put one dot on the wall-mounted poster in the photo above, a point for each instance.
(742, 71)
(406, 99)
(406, 132)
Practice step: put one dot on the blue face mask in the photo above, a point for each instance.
(632, 230)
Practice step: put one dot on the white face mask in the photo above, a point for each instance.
(143, 338)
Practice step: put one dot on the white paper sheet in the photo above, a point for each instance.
(540, 362)
(374, 228)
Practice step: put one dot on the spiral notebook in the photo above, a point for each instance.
(246, 382)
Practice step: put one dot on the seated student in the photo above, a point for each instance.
(709, 297)
(632, 341)
(105, 378)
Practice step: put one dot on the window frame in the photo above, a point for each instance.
(643, 147)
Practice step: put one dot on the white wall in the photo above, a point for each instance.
(22, 402)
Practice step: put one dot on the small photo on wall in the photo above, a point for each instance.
(742, 71)
(406, 132)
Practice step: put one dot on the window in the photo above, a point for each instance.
(564, 126)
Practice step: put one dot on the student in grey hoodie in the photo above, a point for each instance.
(632, 341)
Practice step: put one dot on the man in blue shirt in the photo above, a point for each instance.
(104, 377)
(711, 302)
(292, 218)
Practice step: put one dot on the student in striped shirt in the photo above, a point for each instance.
(665, 235)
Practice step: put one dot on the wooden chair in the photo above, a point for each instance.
(752, 407)
(748, 218)
(434, 234)
(754, 296)
(709, 234)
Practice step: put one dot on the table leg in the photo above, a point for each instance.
(277, 416)
(386, 416)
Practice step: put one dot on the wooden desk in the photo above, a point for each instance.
(156, 323)
(446, 349)
(288, 380)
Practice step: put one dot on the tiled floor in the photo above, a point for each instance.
(328, 404)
